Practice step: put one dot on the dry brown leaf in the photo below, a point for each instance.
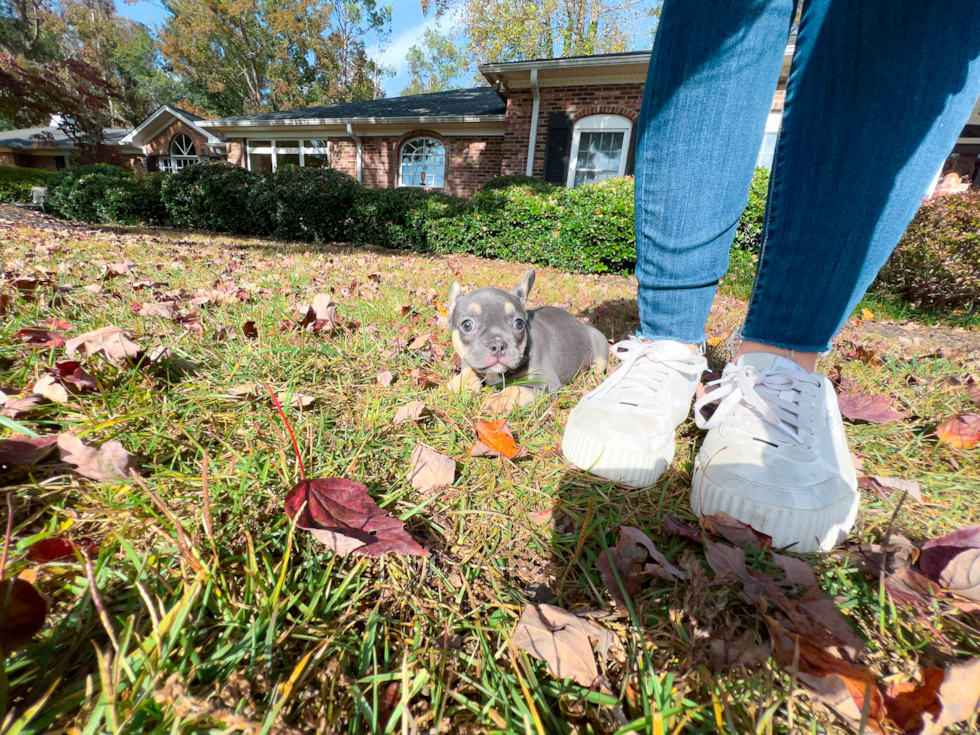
(740, 534)
(294, 400)
(410, 412)
(112, 343)
(634, 558)
(428, 469)
(109, 463)
(385, 378)
(48, 387)
(561, 640)
(797, 571)
(865, 407)
(163, 309)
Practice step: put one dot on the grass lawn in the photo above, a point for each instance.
(253, 627)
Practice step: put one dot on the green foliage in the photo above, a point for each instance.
(211, 196)
(435, 65)
(312, 204)
(16, 182)
(937, 262)
(135, 202)
(79, 192)
(748, 234)
(526, 182)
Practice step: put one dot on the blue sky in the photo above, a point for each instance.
(408, 24)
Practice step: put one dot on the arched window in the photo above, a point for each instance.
(599, 147)
(423, 163)
(182, 154)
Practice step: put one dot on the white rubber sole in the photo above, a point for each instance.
(804, 531)
(633, 469)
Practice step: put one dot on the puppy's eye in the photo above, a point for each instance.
(467, 325)
(519, 325)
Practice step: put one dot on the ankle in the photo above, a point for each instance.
(806, 360)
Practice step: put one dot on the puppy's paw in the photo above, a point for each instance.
(466, 382)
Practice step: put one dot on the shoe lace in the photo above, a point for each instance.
(644, 369)
(775, 396)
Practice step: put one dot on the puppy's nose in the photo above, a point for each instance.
(497, 347)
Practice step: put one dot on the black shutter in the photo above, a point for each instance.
(152, 164)
(558, 148)
(631, 154)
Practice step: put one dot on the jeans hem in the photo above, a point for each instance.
(820, 349)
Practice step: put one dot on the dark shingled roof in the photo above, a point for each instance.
(479, 101)
(22, 138)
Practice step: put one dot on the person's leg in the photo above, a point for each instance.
(713, 72)
(878, 93)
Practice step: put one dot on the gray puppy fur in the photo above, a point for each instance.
(499, 341)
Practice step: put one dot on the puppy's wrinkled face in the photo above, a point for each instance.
(489, 326)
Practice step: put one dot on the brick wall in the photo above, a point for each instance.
(236, 152)
(575, 101)
(160, 145)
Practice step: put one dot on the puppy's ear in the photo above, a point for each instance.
(522, 289)
(455, 291)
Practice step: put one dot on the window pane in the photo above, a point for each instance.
(316, 160)
(259, 143)
(315, 143)
(423, 163)
(261, 162)
(287, 146)
(599, 157)
(287, 159)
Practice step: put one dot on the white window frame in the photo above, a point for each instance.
(445, 163)
(768, 150)
(599, 124)
(293, 146)
(174, 162)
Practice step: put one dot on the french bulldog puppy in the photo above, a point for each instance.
(531, 352)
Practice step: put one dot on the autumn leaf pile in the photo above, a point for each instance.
(238, 497)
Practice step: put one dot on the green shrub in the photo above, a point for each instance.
(525, 182)
(77, 193)
(312, 204)
(937, 261)
(136, 202)
(748, 234)
(381, 217)
(211, 196)
(588, 229)
(16, 182)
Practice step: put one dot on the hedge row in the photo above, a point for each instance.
(517, 218)
(16, 182)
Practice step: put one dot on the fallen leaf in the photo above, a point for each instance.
(743, 651)
(71, 372)
(907, 587)
(561, 640)
(294, 400)
(163, 309)
(886, 486)
(112, 343)
(385, 378)
(48, 387)
(14, 406)
(738, 533)
(22, 613)
(109, 463)
(541, 517)
(498, 436)
(409, 412)
(225, 332)
(960, 432)
(953, 561)
(675, 525)
(343, 516)
(857, 463)
(797, 570)
(957, 695)
(865, 407)
(634, 557)
(428, 469)
(19, 449)
(55, 549)
(250, 330)
(37, 337)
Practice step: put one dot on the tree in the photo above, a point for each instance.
(39, 81)
(260, 55)
(435, 66)
(513, 30)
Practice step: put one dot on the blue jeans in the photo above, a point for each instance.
(878, 92)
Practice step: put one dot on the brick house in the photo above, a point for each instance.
(568, 121)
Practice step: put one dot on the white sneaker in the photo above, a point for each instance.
(624, 430)
(775, 456)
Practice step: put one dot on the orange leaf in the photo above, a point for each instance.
(960, 432)
(498, 436)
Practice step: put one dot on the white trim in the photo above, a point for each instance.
(289, 146)
(130, 138)
(637, 57)
(535, 110)
(600, 123)
(423, 120)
